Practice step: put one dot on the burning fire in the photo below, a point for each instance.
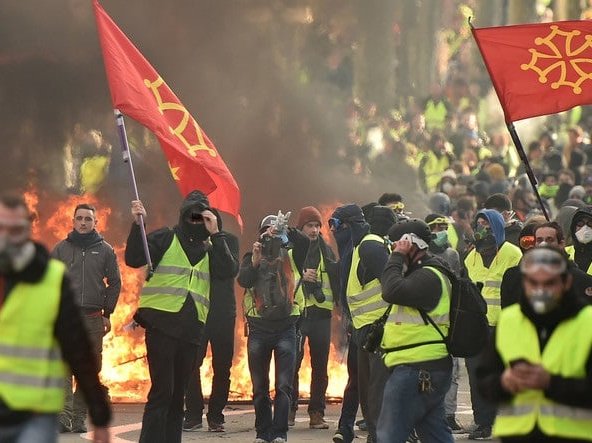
(125, 370)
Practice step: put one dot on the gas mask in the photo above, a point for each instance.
(542, 300)
(440, 239)
(584, 234)
(484, 240)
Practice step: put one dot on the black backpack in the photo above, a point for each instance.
(469, 329)
(274, 288)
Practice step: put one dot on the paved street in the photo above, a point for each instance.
(240, 421)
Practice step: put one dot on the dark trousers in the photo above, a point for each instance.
(170, 363)
(318, 332)
(219, 333)
(74, 404)
(483, 411)
(349, 404)
(372, 376)
(261, 345)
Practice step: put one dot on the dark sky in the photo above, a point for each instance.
(233, 65)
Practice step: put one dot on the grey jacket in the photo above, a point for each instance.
(88, 268)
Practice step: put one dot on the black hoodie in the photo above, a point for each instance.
(583, 253)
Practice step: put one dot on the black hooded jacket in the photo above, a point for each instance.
(583, 252)
(223, 265)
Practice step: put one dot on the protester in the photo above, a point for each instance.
(91, 262)
(272, 315)
(486, 265)
(581, 233)
(315, 269)
(420, 372)
(219, 333)
(174, 305)
(40, 321)
(538, 374)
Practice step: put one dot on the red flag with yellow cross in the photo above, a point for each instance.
(538, 69)
(139, 92)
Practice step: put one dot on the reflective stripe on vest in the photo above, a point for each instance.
(325, 285)
(405, 326)
(174, 278)
(507, 256)
(32, 372)
(365, 302)
(571, 252)
(566, 354)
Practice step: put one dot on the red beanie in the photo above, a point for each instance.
(308, 214)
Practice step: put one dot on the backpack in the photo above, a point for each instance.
(273, 291)
(469, 329)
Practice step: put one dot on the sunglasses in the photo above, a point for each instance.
(527, 242)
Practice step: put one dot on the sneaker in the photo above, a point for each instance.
(361, 424)
(481, 433)
(317, 421)
(260, 440)
(454, 426)
(279, 440)
(215, 426)
(338, 437)
(191, 425)
(64, 425)
(79, 427)
(413, 438)
(292, 417)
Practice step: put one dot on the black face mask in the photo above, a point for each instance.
(486, 244)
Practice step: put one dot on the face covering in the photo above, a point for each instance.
(584, 234)
(485, 241)
(447, 187)
(15, 257)
(542, 300)
(441, 239)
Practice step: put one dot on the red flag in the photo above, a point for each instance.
(539, 69)
(138, 91)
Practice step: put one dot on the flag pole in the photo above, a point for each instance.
(127, 158)
(528, 169)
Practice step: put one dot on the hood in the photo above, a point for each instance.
(381, 218)
(578, 215)
(496, 221)
(564, 217)
(194, 200)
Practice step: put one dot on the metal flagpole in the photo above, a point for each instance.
(528, 169)
(127, 158)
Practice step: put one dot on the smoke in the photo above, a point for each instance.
(250, 72)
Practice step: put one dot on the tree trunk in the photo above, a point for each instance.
(566, 10)
(374, 57)
(521, 11)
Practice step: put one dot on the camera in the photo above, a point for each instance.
(316, 290)
(374, 337)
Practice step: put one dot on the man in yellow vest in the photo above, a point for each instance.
(486, 265)
(539, 367)
(581, 233)
(174, 305)
(421, 367)
(315, 270)
(271, 313)
(366, 306)
(434, 162)
(41, 329)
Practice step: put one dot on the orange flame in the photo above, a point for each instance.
(125, 370)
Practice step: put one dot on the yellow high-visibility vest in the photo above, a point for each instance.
(32, 371)
(507, 256)
(325, 285)
(571, 251)
(565, 354)
(365, 301)
(405, 326)
(174, 278)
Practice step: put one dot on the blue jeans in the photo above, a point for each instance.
(450, 402)
(405, 408)
(40, 428)
(260, 347)
(349, 405)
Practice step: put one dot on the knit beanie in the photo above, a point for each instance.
(308, 214)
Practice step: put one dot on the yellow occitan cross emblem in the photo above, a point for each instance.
(570, 57)
(185, 121)
(174, 171)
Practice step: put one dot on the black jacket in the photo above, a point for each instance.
(223, 265)
(73, 339)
